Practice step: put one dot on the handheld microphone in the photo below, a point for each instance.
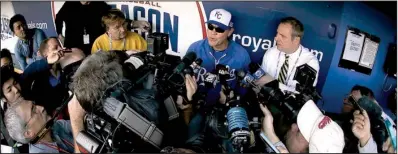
(196, 65)
(256, 70)
(210, 80)
(246, 78)
(223, 73)
(188, 59)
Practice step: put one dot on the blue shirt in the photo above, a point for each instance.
(234, 57)
(62, 136)
(23, 51)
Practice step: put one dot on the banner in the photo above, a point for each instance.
(255, 23)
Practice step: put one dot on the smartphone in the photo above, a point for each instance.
(268, 142)
(355, 104)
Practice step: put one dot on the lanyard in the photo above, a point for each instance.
(54, 147)
(289, 74)
(110, 43)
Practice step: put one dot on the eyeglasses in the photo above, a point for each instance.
(218, 29)
(32, 114)
(349, 100)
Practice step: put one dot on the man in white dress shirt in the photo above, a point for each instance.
(281, 61)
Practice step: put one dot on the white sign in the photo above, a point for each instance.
(353, 46)
(183, 21)
(369, 53)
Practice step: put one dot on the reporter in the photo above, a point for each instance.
(24, 119)
(83, 20)
(117, 37)
(45, 80)
(313, 132)
(98, 76)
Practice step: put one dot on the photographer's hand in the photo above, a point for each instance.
(144, 26)
(264, 80)
(268, 126)
(361, 127)
(223, 97)
(54, 57)
(388, 147)
(76, 114)
(191, 86)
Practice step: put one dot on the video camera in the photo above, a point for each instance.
(290, 104)
(130, 117)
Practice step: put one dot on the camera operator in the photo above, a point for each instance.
(281, 61)
(97, 74)
(363, 97)
(313, 132)
(45, 80)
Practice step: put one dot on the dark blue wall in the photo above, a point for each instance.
(340, 81)
(261, 19)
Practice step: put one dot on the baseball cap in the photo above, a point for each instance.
(322, 133)
(221, 18)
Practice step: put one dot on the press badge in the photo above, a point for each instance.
(86, 39)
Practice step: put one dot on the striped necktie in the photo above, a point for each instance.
(283, 72)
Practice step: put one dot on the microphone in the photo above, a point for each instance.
(210, 80)
(256, 70)
(196, 65)
(246, 78)
(188, 59)
(223, 73)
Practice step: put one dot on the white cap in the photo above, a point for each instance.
(222, 18)
(323, 134)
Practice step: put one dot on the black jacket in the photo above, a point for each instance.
(78, 17)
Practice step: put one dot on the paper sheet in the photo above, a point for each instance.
(353, 46)
(369, 53)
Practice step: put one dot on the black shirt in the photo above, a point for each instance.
(77, 18)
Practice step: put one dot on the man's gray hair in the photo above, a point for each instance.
(15, 125)
(96, 73)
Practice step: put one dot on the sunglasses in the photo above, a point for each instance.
(218, 29)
